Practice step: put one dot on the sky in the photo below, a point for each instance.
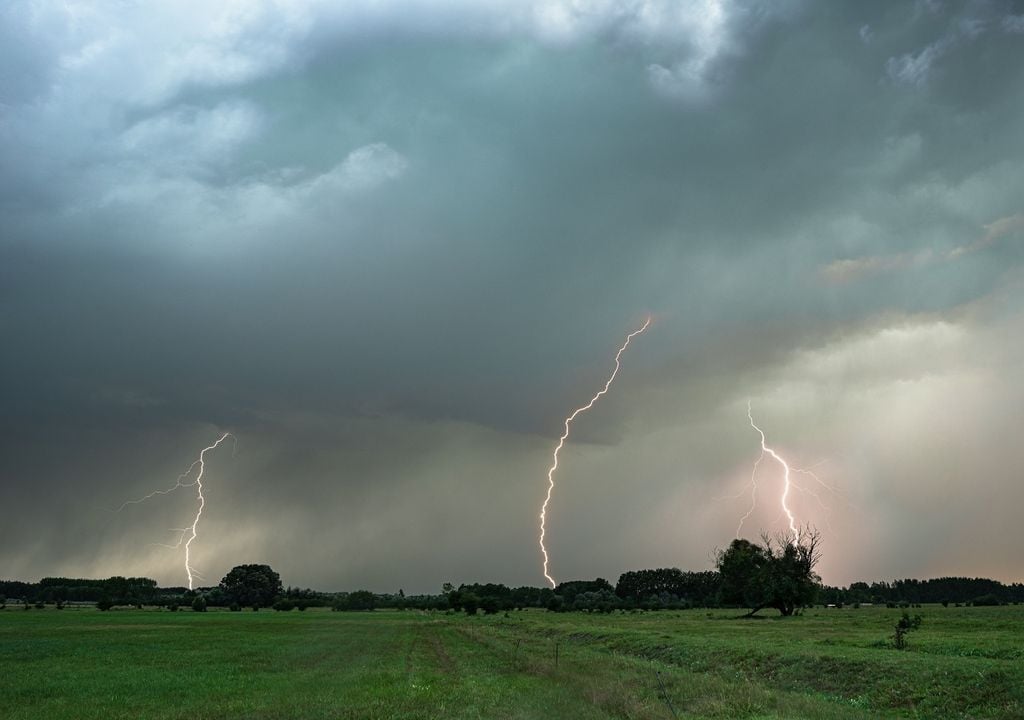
(390, 244)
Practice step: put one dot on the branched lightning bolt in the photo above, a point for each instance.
(785, 482)
(753, 493)
(565, 435)
(789, 483)
(192, 530)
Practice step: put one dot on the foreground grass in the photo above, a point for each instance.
(963, 663)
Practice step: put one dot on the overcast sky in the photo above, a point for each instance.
(391, 244)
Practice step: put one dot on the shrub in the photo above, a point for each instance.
(489, 605)
(903, 626)
(102, 604)
(173, 607)
(470, 603)
(235, 607)
(986, 601)
(361, 600)
(199, 604)
(284, 606)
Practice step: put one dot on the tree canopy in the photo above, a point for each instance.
(252, 585)
(778, 573)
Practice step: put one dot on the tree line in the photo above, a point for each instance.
(960, 590)
(775, 573)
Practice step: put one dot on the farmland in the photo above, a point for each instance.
(827, 663)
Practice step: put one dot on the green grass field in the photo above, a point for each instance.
(962, 663)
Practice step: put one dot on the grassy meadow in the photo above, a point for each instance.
(836, 663)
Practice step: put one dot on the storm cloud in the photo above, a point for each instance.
(390, 245)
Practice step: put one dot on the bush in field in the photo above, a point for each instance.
(101, 604)
(903, 626)
(360, 600)
(173, 607)
(470, 602)
(235, 607)
(284, 606)
(986, 601)
(199, 604)
(599, 601)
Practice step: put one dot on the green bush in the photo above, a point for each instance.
(360, 600)
(903, 626)
(489, 605)
(470, 603)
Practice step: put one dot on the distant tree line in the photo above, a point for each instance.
(776, 574)
(119, 590)
(960, 590)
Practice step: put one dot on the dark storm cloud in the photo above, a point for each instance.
(423, 232)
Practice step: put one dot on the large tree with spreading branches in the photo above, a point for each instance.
(778, 573)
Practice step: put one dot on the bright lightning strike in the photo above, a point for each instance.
(191, 531)
(789, 483)
(785, 484)
(565, 435)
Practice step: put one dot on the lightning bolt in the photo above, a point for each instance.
(565, 435)
(191, 531)
(789, 483)
(785, 477)
(785, 480)
(753, 493)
